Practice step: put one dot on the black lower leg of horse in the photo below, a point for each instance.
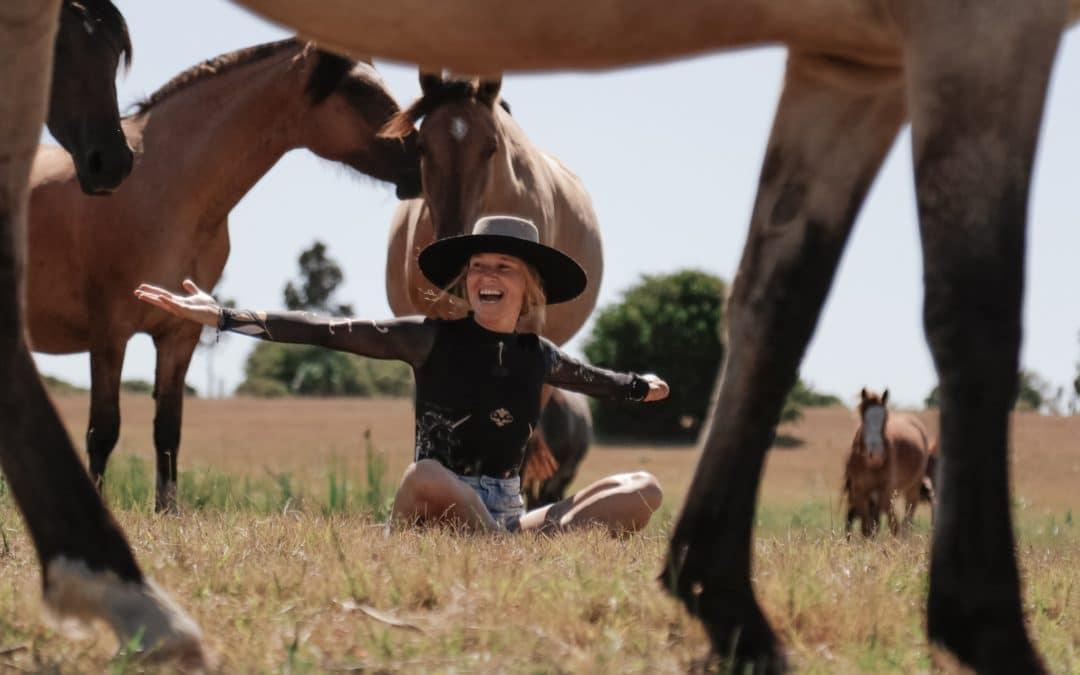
(174, 350)
(103, 430)
(975, 118)
(826, 146)
(166, 445)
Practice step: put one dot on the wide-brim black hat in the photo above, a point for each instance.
(563, 279)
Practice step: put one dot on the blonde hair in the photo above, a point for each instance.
(533, 300)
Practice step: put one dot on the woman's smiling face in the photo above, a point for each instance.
(495, 284)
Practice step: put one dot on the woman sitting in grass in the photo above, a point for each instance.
(478, 381)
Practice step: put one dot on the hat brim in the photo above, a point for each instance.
(563, 279)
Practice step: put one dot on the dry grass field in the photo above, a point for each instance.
(279, 557)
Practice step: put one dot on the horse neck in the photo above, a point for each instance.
(205, 146)
(520, 178)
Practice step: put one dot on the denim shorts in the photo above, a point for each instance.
(501, 496)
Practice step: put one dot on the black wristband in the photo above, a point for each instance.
(639, 388)
(224, 314)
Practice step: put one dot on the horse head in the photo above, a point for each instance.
(352, 105)
(91, 42)
(460, 140)
(873, 415)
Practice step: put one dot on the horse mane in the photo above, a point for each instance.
(403, 123)
(111, 21)
(327, 74)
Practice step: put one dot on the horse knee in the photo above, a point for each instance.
(101, 437)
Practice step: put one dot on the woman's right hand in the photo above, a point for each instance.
(200, 306)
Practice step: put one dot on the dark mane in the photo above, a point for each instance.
(402, 124)
(109, 19)
(326, 75)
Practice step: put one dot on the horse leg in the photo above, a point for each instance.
(87, 568)
(890, 513)
(911, 500)
(976, 105)
(174, 350)
(106, 364)
(834, 125)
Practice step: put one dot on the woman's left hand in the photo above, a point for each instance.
(658, 389)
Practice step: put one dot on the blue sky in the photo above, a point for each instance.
(670, 155)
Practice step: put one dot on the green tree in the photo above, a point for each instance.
(670, 325)
(277, 369)
(932, 399)
(320, 277)
(803, 395)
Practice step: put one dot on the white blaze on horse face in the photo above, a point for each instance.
(873, 431)
(459, 128)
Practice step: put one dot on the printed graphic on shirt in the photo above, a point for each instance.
(501, 417)
(436, 437)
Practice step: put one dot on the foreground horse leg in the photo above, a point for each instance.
(106, 364)
(976, 105)
(88, 570)
(174, 350)
(834, 124)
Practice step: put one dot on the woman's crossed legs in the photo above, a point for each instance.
(622, 503)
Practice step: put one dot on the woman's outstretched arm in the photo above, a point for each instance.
(407, 339)
(569, 373)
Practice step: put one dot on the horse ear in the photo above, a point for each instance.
(430, 82)
(862, 394)
(488, 90)
(885, 397)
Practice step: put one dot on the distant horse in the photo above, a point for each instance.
(204, 139)
(87, 567)
(91, 42)
(475, 160)
(567, 432)
(889, 457)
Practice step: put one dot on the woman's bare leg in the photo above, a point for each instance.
(623, 503)
(430, 492)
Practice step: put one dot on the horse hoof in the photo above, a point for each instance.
(166, 501)
(985, 639)
(141, 614)
(742, 639)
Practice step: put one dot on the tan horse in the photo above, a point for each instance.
(204, 139)
(88, 570)
(889, 457)
(475, 160)
(971, 77)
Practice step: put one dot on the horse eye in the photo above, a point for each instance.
(490, 149)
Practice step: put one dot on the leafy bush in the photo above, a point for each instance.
(670, 325)
(803, 395)
(57, 386)
(147, 387)
(277, 369)
(1033, 394)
